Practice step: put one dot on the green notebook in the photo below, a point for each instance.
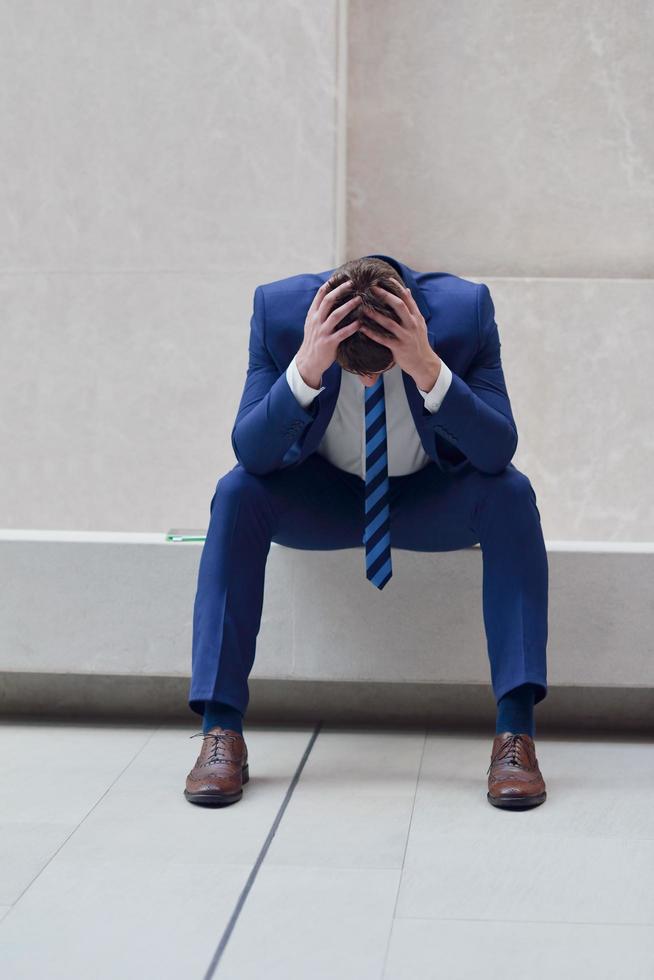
(183, 534)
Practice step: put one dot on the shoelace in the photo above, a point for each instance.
(218, 737)
(509, 749)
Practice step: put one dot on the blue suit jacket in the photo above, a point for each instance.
(474, 424)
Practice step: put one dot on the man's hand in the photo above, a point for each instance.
(408, 339)
(318, 349)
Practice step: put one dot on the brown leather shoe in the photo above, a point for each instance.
(220, 770)
(515, 781)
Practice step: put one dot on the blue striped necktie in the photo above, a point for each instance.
(377, 535)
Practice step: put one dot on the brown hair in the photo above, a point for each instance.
(359, 353)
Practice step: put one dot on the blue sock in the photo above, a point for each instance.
(219, 713)
(515, 710)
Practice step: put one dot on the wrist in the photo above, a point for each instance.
(427, 376)
(309, 374)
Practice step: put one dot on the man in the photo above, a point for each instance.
(374, 414)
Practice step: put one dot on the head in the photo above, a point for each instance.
(359, 354)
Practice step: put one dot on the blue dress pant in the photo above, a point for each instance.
(318, 506)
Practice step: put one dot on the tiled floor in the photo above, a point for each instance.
(358, 855)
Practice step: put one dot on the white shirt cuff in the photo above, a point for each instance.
(302, 391)
(434, 397)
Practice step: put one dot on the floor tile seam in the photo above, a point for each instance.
(281, 865)
(522, 922)
(404, 854)
(79, 824)
(245, 891)
(491, 834)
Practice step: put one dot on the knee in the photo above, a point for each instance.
(238, 484)
(511, 489)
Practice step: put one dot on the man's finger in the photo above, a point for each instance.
(342, 311)
(321, 292)
(315, 302)
(399, 305)
(385, 321)
(347, 329)
(328, 298)
(385, 339)
(392, 299)
(411, 303)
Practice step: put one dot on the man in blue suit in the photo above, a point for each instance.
(374, 414)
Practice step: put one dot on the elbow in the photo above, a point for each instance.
(242, 458)
(514, 444)
(499, 461)
(257, 467)
(510, 452)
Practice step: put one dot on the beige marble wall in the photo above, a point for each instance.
(159, 160)
(502, 137)
(576, 356)
(512, 143)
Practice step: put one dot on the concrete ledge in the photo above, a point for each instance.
(287, 702)
(121, 605)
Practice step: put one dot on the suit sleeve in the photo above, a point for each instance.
(475, 414)
(269, 418)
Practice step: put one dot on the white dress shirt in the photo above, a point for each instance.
(344, 440)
